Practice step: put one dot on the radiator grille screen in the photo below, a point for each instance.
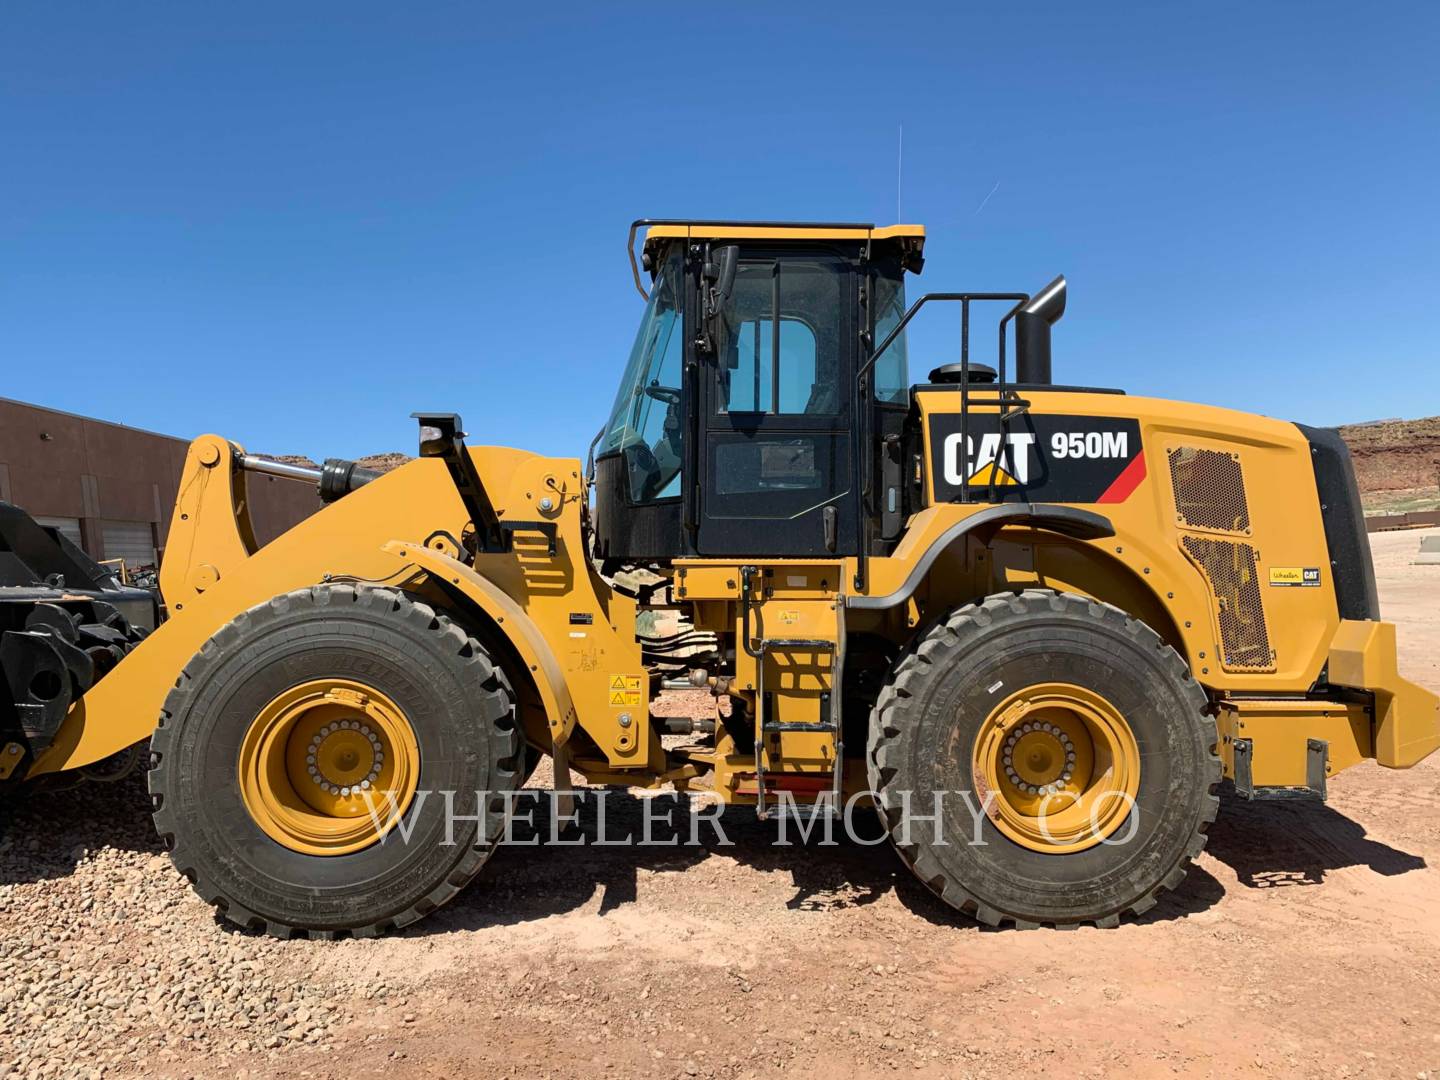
(1209, 490)
(1235, 583)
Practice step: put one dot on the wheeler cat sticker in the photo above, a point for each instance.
(1062, 459)
(1295, 576)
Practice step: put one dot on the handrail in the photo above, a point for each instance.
(863, 488)
(965, 298)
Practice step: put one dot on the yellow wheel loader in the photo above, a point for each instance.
(1036, 625)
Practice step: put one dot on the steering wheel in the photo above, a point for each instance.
(667, 394)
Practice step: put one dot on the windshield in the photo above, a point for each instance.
(646, 420)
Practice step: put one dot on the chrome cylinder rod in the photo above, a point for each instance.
(251, 463)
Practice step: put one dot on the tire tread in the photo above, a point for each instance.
(495, 708)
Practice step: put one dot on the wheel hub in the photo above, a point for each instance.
(328, 767)
(1039, 758)
(345, 756)
(1059, 766)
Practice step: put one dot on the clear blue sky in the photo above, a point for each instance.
(294, 223)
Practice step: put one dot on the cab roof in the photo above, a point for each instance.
(909, 238)
(778, 230)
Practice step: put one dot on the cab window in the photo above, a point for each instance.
(892, 370)
(647, 420)
(781, 348)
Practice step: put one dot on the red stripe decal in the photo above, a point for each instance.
(1128, 480)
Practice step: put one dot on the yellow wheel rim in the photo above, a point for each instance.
(328, 767)
(1057, 768)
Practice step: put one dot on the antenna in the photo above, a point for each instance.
(899, 171)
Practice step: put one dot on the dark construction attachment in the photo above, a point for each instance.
(65, 621)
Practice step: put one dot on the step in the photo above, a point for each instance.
(804, 813)
(795, 783)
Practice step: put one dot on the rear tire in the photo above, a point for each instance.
(948, 694)
(437, 678)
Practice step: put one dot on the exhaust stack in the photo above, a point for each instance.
(1032, 333)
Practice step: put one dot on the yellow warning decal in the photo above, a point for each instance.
(625, 691)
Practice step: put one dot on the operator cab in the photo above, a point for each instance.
(734, 430)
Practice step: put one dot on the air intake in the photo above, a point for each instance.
(979, 374)
(1234, 580)
(1209, 490)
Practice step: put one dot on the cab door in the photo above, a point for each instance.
(776, 448)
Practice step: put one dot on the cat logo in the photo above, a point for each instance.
(989, 466)
(1045, 458)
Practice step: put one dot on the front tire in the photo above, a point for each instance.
(1067, 739)
(301, 765)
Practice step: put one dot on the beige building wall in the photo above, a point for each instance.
(113, 479)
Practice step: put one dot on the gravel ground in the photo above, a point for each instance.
(108, 960)
(1305, 941)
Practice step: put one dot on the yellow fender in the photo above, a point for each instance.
(510, 619)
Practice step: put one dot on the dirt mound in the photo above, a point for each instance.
(291, 459)
(1395, 455)
(384, 462)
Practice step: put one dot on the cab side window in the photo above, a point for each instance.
(781, 346)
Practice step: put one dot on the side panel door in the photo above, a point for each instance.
(776, 453)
